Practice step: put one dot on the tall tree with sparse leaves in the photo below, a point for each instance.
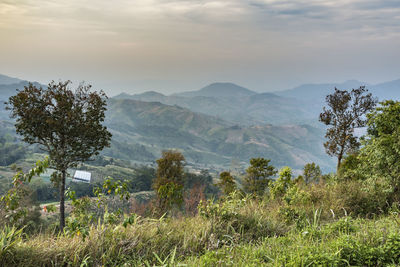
(66, 124)
(345, 112)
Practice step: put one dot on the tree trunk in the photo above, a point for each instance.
(340, 156)
(62, 200)
(339, 162)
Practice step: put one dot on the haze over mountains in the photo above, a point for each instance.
(220, 123)
(300, 105)
(314, 94)
(234, 103)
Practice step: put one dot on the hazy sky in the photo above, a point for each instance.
(169, 46)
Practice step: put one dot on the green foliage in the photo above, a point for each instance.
(241, 217)
(350, 168)
(381, 152)
(358, 243)
(225, 210)
(65, 124)
(17, 204)
(170, 194)
(282, 184)
(84, 213)
(9, 238)
(169, 182)
(311, 173)
(258, 176)
(226, 183)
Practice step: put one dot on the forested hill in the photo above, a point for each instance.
(152, 127)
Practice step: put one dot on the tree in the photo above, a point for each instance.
(169, 182)
(282, 184)
(380, 154)
(226, 183)
(258, 175)
(311, 173)
(66, 124)
(345, 112)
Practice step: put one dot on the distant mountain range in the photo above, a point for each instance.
(4, 80)
(220, 122)
(234, 103)
(300, 105)
(314, 94)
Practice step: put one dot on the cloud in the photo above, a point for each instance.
(169, 39)
(282, 15)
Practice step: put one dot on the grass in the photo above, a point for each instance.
(240, 233)
(308, 226)
(358, 243)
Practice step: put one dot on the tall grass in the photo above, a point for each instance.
(345, 242)
(147, 241)
(308, 226)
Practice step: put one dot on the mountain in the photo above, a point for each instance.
(314, 94)
(218, 90)
(387, 90)
(8, 80)
(235, 103)
(208, 140)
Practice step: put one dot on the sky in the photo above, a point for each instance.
(171, 46)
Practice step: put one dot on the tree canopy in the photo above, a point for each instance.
(66, 124)
(345, 112)
(258, 175)
(380, 154)
(226, 183)
(169, 182)
(311, 173)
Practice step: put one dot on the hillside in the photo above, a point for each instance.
(209, 140)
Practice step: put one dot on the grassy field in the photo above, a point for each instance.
(245, 232)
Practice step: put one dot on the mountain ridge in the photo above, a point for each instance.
(219, 89)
